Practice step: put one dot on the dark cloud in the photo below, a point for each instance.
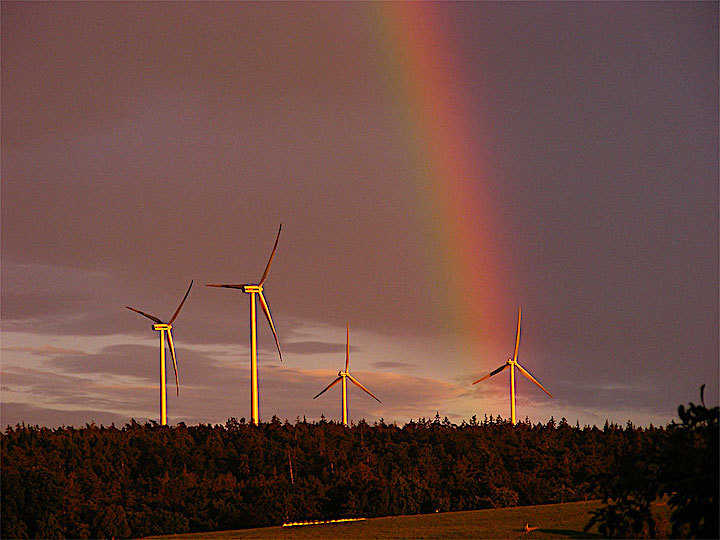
(44, 383)
(141, 362)
(315, 347)
(45, 350)
(392, 365)
(18, 413)
(22, 307)
(133, 360)
(71, 393)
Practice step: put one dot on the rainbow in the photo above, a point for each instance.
(453, 180)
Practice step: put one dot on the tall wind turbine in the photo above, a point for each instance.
(256, 290)
(165, 328)
(343, 376)
(513, 363)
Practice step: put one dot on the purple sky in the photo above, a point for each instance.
(147, 144)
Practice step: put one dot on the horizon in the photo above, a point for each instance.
(473, 421)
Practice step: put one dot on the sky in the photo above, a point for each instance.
(435, 167)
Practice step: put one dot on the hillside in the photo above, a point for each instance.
(552, 521)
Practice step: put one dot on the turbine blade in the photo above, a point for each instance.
(177, 312)
(498, 370)
(266, 309)
(145, 315)
(172, 353)
(517, 337)
(267, 268)
(524, 372)
(232, 286)
(347, 348)
(353, 379)
(329, 387)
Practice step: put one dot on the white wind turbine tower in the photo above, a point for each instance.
(256, 290)
(165, 328)
(513, 363)
(343, 376)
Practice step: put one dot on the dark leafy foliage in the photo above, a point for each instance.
(148, 479)
(680, 466)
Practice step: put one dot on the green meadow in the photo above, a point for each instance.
(551, 521)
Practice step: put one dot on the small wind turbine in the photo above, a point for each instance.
(344, 375)
(513, 363)
(256, 290)
(164, 328)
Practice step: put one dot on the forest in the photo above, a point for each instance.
(138, 480)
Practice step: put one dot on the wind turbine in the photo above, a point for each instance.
(256, 290)
(164, 328)
(343, 376)
(513, 363)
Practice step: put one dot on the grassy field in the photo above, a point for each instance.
(552, 521)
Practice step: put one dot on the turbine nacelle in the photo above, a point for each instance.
(248, 289)
(162, 327)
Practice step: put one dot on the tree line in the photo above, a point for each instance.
(140, 480)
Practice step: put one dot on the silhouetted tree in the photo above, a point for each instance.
(680, 463)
